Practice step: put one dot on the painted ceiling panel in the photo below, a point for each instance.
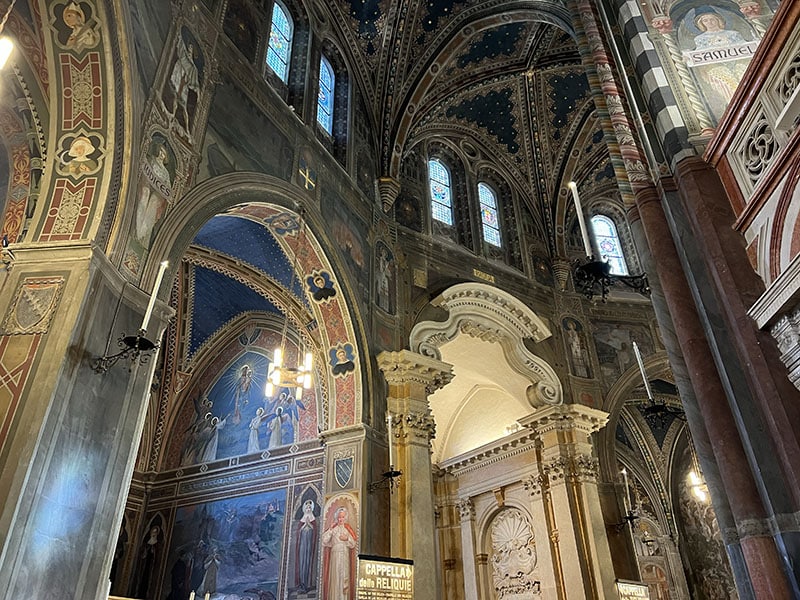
(251, 243)
(218, 299)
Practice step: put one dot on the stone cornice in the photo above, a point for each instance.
(564, 417)
(517, 443)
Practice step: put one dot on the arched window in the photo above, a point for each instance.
(280, 42)
(327, 84)
(441, 196)
(605, 234)
(489, 219)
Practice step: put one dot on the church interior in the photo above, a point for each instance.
(506, 291)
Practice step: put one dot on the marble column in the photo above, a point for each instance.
(412, 378)
(759, 551)
(569, 472)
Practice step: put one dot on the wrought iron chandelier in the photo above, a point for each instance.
(657, 413)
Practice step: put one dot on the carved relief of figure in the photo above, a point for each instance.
(339, 541)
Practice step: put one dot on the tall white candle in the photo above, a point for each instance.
(191, 596)
(587, 243)
(391, 454)
(642, 371)
(626, 498)
(148, 313)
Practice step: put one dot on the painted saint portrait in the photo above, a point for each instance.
(321, 286)
(155, 188)
(579, 362)
(385, 278)
(182, 89)
(614, 346)
(306, 533)
(240, 27)
(80, 155)
(342, 359)
(340, 545)
(717, 44)
(75, 26)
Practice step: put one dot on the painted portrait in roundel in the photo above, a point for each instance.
(75, 26)
(184, 80)
(80, 155)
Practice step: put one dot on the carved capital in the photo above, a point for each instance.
(533, 485)
(585, 468)
(405, 367)
(466, 509)
(418, 426)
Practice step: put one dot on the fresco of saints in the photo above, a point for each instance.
(154, 191)
(339, 542)
(185, 78)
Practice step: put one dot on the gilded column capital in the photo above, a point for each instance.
(406, 367)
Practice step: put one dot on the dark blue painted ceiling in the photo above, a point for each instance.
(566, 92)
(501, 41)
(494, 112)
(217, 300)
(251, 243)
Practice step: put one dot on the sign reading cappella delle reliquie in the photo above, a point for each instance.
(632, 590)
(385, 578)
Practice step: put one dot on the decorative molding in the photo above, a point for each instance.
(514, 557)
(404, 367)
(492, 315)
(419, 426)
(488, 454)
(566, 417)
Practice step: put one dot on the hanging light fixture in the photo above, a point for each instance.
(281, 375)
(657, 413)
(593, 277)
(6, 45)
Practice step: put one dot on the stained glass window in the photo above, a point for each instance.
(489, 220)
(441, 198)
(280, 42)
(605, 234)
(327, 82)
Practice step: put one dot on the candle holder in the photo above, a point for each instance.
(387, 480)
(136, 348)
(628, 519)
(593, 277)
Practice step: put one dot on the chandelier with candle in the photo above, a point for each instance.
(657, 413)
(592, 276)
(281, 375)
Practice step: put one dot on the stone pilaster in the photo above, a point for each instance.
(568, 473)
(412, 378)
(466, 511)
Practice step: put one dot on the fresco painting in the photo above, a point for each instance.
(234, 416)
(614, 345)
(229, 548)
(717, 44)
